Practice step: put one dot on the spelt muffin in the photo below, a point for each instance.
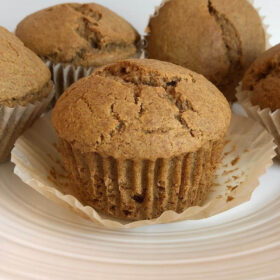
(263, 79)
(25, 90)
(217, 38)
(140, 137)
(80, 35)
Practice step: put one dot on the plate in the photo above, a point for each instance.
(41, 240)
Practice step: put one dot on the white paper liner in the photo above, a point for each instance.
(64, 75)
(247, 155)
(270, 120)
(14, 121)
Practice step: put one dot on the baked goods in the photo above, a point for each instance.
(263, 79)
(259, 94)
(217, 38)
(140, 137)
(25, 90)
(80, 35)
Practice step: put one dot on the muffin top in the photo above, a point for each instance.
(263, 78)
(216, 38)
(81, 34)
(143, 109)
(24, 77)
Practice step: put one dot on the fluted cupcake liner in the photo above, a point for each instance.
(65, 74)
(268, 119)
(142, 189)
(15, 120)
(248, 152)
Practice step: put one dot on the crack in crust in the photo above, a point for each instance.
(88, 29)
(232, 44)
(124, 75)
(121, 125)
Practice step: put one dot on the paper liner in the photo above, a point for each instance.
(248, 153)
(65, 74)
(141, 189)
(15, 120)
(270, 120)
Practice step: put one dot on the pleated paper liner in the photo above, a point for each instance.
(15, 120)
(142, 189)
(246, 156)
(65, 74)
(268, 119)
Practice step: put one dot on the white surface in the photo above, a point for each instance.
(40, 240)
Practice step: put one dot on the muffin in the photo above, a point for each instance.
(260, 92)
(25, 90)
(217, 38)
(263, 79)
(75, 38)
(140, 137)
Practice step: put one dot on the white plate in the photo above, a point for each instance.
(41, 240)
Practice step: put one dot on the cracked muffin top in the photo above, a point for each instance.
(263, 78)
(143, 109)
(24, 77)
(81, 34)
(216, 38)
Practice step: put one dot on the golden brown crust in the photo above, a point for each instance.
(263, 78)
(216, 38)
(23, 74)
(81, 34)
(141, 109)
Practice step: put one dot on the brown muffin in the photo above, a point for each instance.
(263, 79)
(80, 34)
(140, 137)
(25, 89)
(217, 38)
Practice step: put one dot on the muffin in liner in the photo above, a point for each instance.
(142, 189)
(25, 90)
(270, 120)
(74, 38)
(258, 93)
(15, 120)
(140, 137)
(248, 152)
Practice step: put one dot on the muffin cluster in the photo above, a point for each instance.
(138, 137)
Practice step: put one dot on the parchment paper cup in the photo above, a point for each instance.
(268, 119)
(247, 155)
(15, 120)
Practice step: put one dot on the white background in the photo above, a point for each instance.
(135, 11)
